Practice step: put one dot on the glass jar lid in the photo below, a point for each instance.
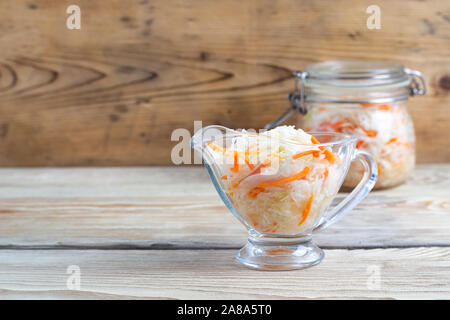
(360, 82)
(356, 73)
(352, 82)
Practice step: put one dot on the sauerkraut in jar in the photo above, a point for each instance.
(384, 130)
(364, 99)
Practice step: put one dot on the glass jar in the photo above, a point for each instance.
(367, 100)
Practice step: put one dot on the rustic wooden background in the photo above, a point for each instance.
(112, 92)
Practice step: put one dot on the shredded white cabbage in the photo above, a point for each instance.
(272, 189)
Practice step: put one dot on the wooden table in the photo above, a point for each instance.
(163, 233)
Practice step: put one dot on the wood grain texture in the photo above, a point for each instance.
(414, 273)
(176, 208)
(112, 92)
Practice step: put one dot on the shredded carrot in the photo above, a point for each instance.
(329, 155)
(286, 180)
(264, 164)
(315, 153)
(216, 147)
(255, 171)
(231, 193)
(369, 133)
(325, 174)
(250, 166)
(254, 192)
(240, 154)
(369, 104)
(314, 140)
(224, 178)
(359, 144)
(306, 210)
(379, 169)
(338, 124)
(384, 107)
(235, 167)
(392, 140)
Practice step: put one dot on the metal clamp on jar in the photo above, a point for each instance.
(365, 99)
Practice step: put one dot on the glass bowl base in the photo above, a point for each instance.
(279, 254)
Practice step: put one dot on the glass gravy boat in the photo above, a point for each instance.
(281, 190)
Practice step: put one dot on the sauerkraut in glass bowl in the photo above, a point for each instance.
(384, 130)
(280, 184)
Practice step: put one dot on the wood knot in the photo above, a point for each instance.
(204, 56)
(444, 82)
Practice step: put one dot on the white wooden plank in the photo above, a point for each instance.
(414, 273)
(162, 207)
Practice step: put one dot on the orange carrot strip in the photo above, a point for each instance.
(220, 149)
(283, 181)
(325, 174)
(315, 153)
(224, 178)
(254, 192)
(329, 155)
(250, 166)
(256, 171)
(338, 124)
(306, 210)
(369, 133)
(359, 144)
(314, 140)
(384, 108)
(369, 104)
(235, 167)
(392, 140)
(216, 147)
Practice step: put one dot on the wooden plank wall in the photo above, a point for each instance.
(112, 92)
